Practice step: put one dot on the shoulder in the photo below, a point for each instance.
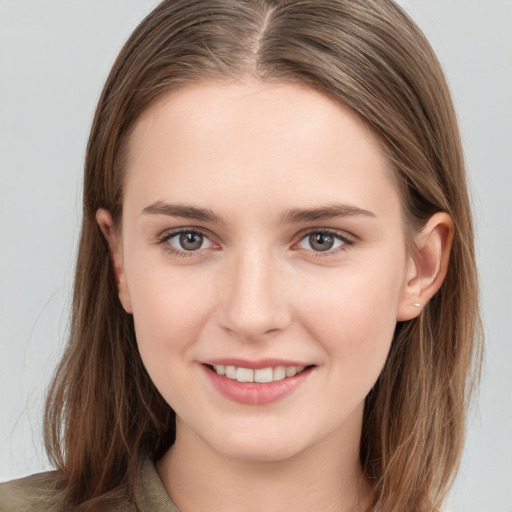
(35, 492)
(41, 492)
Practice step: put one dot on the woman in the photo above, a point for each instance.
(275, 300)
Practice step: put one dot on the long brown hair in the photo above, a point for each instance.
(103, 411)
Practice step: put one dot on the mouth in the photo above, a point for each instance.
(257, 382)
(260, 375)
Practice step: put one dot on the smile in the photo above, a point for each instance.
(261, 375)
(257, 382)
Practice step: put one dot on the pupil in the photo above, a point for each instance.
(191, 241)
(321, 242)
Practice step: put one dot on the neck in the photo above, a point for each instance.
(324, 477)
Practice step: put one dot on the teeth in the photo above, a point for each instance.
(290, 372)
(231, 372)
(244, 375)
(279, 373)
(262, 375)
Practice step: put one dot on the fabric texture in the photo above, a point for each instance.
(40, 493)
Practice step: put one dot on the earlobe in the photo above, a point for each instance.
(427, 268)
(104, 220)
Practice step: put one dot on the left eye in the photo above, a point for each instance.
(188, 241)
(321, 241)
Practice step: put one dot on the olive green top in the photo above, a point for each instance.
(38, 493)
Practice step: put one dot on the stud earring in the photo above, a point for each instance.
(417, 304)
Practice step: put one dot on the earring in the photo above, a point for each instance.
(417, 304)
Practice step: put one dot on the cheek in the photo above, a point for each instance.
(354, 320)
(163, 298)
(167, 324)
(169, 314)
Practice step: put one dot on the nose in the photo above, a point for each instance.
(253, 297)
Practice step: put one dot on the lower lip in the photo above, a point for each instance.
(254, 393)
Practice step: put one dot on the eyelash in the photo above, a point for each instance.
(168, 235)
(345, 238)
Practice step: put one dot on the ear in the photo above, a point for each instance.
(104, 220)
(428, 266)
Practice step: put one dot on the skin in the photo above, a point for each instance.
(251, 153)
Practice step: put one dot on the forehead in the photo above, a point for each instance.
(258, 140)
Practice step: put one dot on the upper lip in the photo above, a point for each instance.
(254, 364)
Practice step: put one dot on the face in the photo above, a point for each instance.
(263, 258)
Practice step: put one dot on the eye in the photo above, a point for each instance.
(185, 241)
(323, 241)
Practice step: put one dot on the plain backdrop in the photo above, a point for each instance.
(54, 58)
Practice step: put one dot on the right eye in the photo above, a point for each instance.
(184, 242)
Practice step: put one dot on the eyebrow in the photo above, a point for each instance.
(295, 215)
(323, 213)
(185, 211)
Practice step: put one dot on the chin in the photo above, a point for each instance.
(259, 445)
(251, 452)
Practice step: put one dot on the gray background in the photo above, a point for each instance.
(54, 57)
